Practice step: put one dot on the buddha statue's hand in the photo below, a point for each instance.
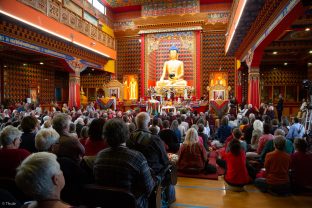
(172, 76)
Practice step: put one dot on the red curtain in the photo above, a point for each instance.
(142, 66)
(198, 80)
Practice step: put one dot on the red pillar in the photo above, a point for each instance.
(253, 86)
(74, 90)
(198, 66)
(1, 82)
(142, 66)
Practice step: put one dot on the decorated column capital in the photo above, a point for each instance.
(74, 79)
(249, 58)
(76, 65)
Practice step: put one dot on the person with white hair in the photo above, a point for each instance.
(45, 139)
(60, 123)
(256, 134)
(270, 112)
(269, 146)
(40, 176)
(149, 145)
(10, 154)
(45, 119)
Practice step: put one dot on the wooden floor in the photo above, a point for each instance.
(202, 193)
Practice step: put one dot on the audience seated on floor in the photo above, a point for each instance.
(236, 175)
(193, 156)
(41, 168)
(121, 167)
(10, 154)
(69, 155)
(296, 130)
(269, 146)
(301, 169)
(30, 126)
(45, 140)
(224, 131)
(150, 145)
(266, 136)
(60, 123)
(276, 166)
(95, 143)
(169, 137)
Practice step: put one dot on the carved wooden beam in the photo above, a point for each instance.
(183, 20)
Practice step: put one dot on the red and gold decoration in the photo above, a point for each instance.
(218, 86)
(130, 87)
(219, 106)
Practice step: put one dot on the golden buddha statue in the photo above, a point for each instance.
(175, 70)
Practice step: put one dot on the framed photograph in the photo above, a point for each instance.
(218, 94)
(114, 92)
(33, 95)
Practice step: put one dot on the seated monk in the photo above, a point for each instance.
(175, 70)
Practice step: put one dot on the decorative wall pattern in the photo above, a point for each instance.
(97, 80)
(56, 11)
(157, 52)
(213, 58)
(124, 25)
(170, 8)
(18, 80)
(280, 77)
(218, 17)
(128, 58)
(123, 3)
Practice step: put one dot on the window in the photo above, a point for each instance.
(98, 5)
(90, 18)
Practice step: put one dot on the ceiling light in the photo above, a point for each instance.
(310, 51)
(307, 29)
(274, 68)
(274, 52)
(24, 64)
(5, 66)
(309, 64)
(285, 64)
(41, 63)
(92, 69)
(232, 30)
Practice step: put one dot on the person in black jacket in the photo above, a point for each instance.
(279, 107)
(169, 137)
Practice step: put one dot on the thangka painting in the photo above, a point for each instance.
(218, 86)
(130, 82)
(157, 52)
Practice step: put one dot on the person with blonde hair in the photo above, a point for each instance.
(192, 155)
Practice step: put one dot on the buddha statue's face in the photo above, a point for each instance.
(173, 54)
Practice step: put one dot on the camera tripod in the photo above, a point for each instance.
(307, 120)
